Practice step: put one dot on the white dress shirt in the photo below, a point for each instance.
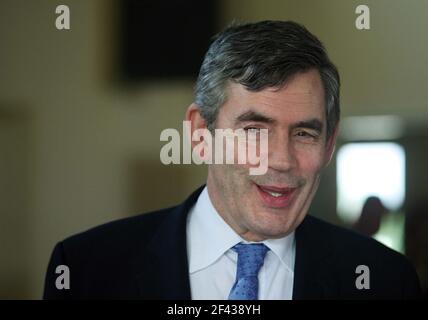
(213, 263)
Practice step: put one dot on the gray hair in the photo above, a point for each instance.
(261, 55)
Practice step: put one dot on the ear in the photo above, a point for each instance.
(196, 121)
(331, 144)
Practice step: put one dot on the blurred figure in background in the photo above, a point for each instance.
(371, 216)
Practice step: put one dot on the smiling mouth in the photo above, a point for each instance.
(274, 196)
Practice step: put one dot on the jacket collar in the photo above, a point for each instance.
(165, 272)
(314, 268)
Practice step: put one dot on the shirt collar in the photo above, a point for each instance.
(209, 237)
(284, 249)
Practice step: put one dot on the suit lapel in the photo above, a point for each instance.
(314, 269)
(165, 271)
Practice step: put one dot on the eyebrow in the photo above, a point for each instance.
(254, 116)
(314, 124)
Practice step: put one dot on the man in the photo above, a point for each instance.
(245, 236)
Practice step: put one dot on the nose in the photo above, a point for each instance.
(281, 154)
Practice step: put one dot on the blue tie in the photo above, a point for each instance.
(250, 260)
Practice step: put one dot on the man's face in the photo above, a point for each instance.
(272, 205)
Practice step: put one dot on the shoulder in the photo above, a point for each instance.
(115, 236)
(347, 242)
(104, 261)
(115, 246)
(129, 235)
(345, 253)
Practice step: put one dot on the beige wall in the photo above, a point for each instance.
(86, 150)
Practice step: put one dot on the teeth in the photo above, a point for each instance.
(275, 194)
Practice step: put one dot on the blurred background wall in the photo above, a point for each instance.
(79, 147)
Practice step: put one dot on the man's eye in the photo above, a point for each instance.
(252, 129)
(305, 134)
(302, 134)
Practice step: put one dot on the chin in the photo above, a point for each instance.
(275, 234)
(274, 229)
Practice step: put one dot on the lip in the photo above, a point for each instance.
(276, 202)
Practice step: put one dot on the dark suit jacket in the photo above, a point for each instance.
(145, 257)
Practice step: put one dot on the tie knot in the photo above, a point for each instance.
(250, 258)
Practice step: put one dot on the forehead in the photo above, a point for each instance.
(301, 96)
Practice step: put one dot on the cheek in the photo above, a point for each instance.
(310, 163)
(229, 176)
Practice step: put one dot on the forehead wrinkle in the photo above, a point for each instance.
(292, 97)
(291, 104)
(275, 96)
